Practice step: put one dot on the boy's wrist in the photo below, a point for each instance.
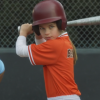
(23, 33)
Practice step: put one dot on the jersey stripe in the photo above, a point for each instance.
(30, 56)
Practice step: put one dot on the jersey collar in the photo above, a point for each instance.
(63, 34)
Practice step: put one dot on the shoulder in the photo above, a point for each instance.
(50, 44)
(54, 43)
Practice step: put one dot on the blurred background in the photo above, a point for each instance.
(14, 13)
(23, 81)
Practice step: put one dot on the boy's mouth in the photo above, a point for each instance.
(47, 38)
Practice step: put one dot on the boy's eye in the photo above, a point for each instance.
(41, 28)
(51, 27)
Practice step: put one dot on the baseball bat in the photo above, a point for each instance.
(80, 22)
(85, 21)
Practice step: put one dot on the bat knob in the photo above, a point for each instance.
(18, 29)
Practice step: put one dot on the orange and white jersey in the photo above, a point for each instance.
(57, 58)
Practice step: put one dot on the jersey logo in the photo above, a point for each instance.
(70, 53)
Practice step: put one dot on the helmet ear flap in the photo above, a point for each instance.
(36, 29)
(59, 24)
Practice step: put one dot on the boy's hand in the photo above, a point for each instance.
(26, 29)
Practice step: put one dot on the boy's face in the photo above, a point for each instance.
(49, 31)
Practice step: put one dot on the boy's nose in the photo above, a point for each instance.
(47, 31)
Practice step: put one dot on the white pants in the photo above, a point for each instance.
(68, 97)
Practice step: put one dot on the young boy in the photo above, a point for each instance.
(53, 49)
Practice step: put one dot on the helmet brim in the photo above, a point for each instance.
(46, 20)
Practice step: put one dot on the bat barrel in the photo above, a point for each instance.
(85, 21)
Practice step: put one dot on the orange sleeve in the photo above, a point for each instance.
(45, 53)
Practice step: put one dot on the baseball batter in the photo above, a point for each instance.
(53, 49)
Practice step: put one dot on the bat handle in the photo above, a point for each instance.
(19, 29)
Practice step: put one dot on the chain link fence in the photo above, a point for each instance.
(16, 12)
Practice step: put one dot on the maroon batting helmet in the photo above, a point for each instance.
(49, 11)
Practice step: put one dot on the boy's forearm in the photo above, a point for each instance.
(38, 36)
(39, 39)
